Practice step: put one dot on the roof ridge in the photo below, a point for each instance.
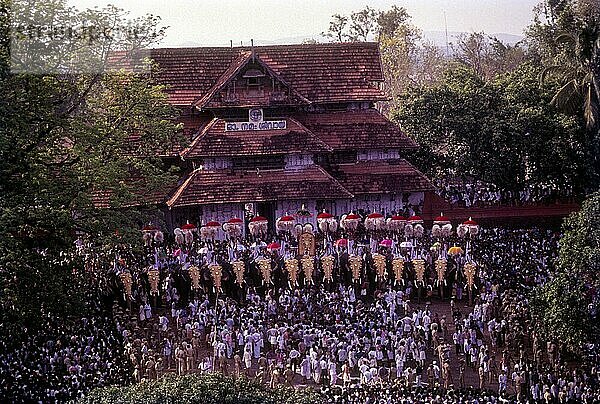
(173, 199)
(183, 154)
(359, 44)
(238, 62)
(334, 180)
(317, 138)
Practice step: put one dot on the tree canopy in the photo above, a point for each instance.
(501, 131)
(566, 308)
(67, 142)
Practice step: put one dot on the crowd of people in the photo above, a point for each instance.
(372, 339)
(469, 192)
(64, 361)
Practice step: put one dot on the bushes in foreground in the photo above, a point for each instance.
(206, 389)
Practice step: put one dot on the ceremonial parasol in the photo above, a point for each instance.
(273, 246)
(455, 250)
(343, 242)
(386, 243)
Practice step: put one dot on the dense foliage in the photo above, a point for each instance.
(206, 389)
(567, 307)
(502, 131)
(65, 141)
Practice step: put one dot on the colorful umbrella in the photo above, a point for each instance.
(273, 246)
(386, 243)
(343, 242)
(455, 250)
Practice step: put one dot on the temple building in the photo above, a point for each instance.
(273, 129)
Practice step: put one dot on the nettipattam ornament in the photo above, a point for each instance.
(291, 266)
(355, 266)
(379, 264)
(327, 264)
(440, 268)
(419, 265)
(470, 273)
(194, 272)
(216, 271)
(153, 278)
(398, 267)
(308, 267)
(238, 270)
(264, 266)
(127, 281)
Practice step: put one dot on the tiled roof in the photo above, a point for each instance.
(215, 141)
(359, 129)
(104, 199)
(231, 73)
(381, 176)
(319, 72)
(227, 186)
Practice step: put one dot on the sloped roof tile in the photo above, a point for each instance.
(381, 176)
(359, 129)
(215, 141)
(333, 72)
(228, 186)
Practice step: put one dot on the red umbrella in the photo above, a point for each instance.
(470, 222)
(149, 228)
(352, 216)
(286, 218)
(213, 224)
(415, 219)
(324, 215)
(274, 246)
(258, 219)
(188, 226)
(441, 220)
(396, 222)
(343, 242)
(375, 216)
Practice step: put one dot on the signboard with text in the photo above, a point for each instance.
(255, 122)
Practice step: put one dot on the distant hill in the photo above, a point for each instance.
(438, 38)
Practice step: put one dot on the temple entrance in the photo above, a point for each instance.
(267, 209)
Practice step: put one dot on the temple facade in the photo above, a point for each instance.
(275, 130)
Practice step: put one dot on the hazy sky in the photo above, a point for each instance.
(210, 22)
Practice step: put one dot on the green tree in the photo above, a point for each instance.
(566, 308)
(363, 24)
(407, 60)
(389, 21)
(68, 141)
(565, 38)
(500, 131)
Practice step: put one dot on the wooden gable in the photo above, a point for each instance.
(249, 82)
